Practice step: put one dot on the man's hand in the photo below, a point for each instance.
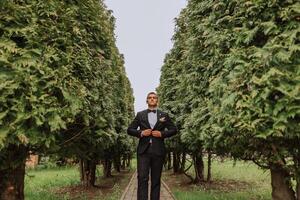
(156, 133)
(146, 132)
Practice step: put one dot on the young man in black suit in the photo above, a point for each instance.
(154, 126)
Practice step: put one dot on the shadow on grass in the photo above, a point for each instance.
(105, 188)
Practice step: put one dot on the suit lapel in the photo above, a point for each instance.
(158, 117)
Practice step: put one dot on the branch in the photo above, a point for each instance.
(260, 165)
(186, 174)
(72, 138)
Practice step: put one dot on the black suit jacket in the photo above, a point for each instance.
(163, 124)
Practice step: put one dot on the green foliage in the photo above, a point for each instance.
(232, 78)
(63, 83)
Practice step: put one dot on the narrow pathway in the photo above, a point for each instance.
(131, 190)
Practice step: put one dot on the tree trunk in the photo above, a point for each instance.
(199, 167)
(298, 190)
(297, 175)
(175, 162)
(117, 163)
(123, 164)
(209, 166)
(12, 174)
(81, 170)
(107, 168)
(128, 161)
(87, 172)
(167, 160)
(281, 185)
(169, 165)
(182, 165)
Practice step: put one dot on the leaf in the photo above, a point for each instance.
(3, 114)
(56, 123)
(23, 139)
(4, 130)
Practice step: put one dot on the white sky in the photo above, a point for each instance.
(144, 29)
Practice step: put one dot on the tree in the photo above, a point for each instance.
(170, 72)
(58, 61)
(241, 74)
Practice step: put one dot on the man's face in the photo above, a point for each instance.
(152, 100)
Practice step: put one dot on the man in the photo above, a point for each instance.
(154, 126)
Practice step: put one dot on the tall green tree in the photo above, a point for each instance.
(60, 71)
(241, 74)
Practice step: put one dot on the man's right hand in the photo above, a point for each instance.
(146, 132)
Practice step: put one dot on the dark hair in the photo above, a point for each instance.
(151, 93)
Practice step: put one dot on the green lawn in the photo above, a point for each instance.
(52, 184)
(40, 184)
(242, 181)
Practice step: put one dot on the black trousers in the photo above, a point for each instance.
(148, 161)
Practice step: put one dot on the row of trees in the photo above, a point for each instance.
(63, 89)
(232, 81)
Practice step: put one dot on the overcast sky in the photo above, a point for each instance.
(144, 29)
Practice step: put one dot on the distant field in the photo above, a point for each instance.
(242, 181)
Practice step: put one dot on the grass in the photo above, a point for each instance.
(41, 183)
(242, 181)
(61, 183)
(231, 181)
(214, 196)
